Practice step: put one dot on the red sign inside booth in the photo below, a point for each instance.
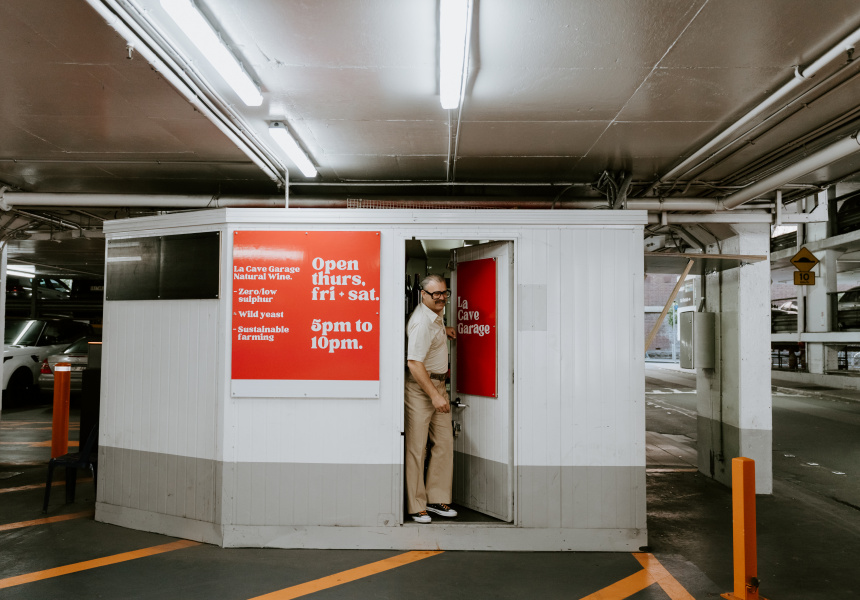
(306, 305)
(476, 327)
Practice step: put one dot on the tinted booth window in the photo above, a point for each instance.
(170, 267)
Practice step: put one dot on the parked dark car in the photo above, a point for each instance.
(88, 289)
(786, 240)
(48, 288)
(848, 310)
(848, 215)
(783, 321)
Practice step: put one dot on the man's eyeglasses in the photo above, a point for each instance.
(438, 295)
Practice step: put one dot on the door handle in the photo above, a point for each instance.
(458, 404)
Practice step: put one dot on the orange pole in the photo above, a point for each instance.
(744, 530)
(60, 421)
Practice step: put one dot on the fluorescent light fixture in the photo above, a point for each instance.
(282, 136)
(200, 32)
(453, 38)
(21, 270)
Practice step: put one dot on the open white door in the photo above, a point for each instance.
(483, 446)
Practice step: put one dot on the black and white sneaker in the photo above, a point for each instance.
(421, 517)
(442, 510)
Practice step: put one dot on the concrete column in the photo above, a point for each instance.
(819, 307)
(734, 399)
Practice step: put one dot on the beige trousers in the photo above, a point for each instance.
(423, 423)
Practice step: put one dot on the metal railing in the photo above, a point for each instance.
(788, 357)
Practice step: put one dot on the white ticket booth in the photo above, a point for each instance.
(253, 377)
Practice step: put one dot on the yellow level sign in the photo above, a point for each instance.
(804, 278)
(804, 260)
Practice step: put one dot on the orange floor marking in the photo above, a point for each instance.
(18, 428)
(44, 444)
(669, 584)
(56, 519)
(653, 572)
(337, 579)
(624, 588)
(98, 562)
(39, 485)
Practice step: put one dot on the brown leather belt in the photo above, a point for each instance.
(436, 376)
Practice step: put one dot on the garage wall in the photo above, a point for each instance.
(299, 472)
(157, 438)
(319, 461)
(580, 379)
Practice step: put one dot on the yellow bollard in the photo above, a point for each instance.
(744, 531)
(60, 421)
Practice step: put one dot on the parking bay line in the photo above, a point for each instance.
(42, 444)
(34, 486)
(652, 572)
(95, 563)
(324, 583)
(46, 520)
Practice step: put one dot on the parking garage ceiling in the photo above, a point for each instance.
(563, 100)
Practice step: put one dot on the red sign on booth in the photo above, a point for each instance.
(306, 305)
(476, 327)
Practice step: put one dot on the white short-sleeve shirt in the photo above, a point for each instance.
(427, 340)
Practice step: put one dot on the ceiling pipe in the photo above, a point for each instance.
(800, 77)
(827, 155)
(49, 220)
(723, 217)
(142, 201)
(201, 202)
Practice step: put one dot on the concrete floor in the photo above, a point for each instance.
(809, 531)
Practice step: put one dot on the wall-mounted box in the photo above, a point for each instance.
(698, 347)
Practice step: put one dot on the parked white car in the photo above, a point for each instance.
(27, 343)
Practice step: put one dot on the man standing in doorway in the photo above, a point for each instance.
(428, 412)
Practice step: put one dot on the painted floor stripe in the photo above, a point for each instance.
(57, 519)
(42, 444)
(324, 583)
(664, 579)
(21, 488)
(652, 572)
(22, 428)
(672, 470)
(93, 564)
(624, 588)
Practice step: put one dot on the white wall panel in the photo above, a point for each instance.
(580, 382)
(556, 434)
(601, 376)
(159, 374)
(534, 495)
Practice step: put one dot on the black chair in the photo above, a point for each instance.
(85, 459)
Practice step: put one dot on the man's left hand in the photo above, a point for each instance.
(451, 333)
